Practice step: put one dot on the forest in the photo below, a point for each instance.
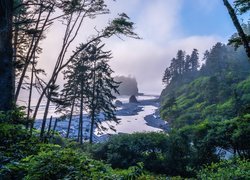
(205, 100)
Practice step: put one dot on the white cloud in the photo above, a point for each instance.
(157, 22)
(147, 60)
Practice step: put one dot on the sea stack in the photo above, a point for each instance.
(118, 103)
(133, 99)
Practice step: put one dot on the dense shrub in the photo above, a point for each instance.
(125, 150)
(23, 156)
(66, 163)
(16, 143)
(227, 169)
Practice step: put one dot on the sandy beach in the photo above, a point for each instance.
(134, 117)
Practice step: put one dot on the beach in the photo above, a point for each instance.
(133, 117)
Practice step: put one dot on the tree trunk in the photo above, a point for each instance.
(92, 127)
(45, 118)
(237, 25)
(81, 115)
(50, 124)
(30, 93)
(54, 128)
(33, 45)
(92, 104)
(70, 118)
(6, 65)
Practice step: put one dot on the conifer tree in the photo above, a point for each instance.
(174, 68)
(167, 76)
(194, 59)
(75, 89)
(215, 58)
(188, 65)
(90, 87)
(180, 61)
(101, 87)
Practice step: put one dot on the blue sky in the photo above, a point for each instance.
(206, 20)
(165, 26)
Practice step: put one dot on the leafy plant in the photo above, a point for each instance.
(227, 169)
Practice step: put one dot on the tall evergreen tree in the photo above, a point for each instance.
(174, 68)
(188, 64)
(194, 60)
(101, 87)
(90, 85)
(167, 76)
(215, 59)
(180, 61)
(75, 91)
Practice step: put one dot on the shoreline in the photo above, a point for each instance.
(144, 112)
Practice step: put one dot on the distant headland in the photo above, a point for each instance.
(128, 85)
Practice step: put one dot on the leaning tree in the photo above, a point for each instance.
(241, 7)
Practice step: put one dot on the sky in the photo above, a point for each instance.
(165, 26)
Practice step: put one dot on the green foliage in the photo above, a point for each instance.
(23, 157)
(219, 92)
(16, 143)
(90, 84)
(65, 163)
(14, 116)
(182, 65)
(120, 26)
(227, 169)
(242, 5)
(123, 151)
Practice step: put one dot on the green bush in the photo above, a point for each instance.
(125, 150)
(15, 116)
(66, 163)
(227, 169)
(16, 143)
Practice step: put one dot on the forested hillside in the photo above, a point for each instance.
(206, 100)
(219, 90)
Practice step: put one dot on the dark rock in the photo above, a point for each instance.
(133, 99)
(118, 103)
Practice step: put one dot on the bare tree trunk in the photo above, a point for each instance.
(15, 43)
(50, 123)
(30, 93)
(6, 65)
(60, 59)
(33, 45)
(237, 25)
(45, 118)
(70, 118)
(92, 127)
(54, 128)
(81, 114)
(92, 105)
(78, 134)
(59, 70)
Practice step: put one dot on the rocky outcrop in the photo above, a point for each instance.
(118, 103)
(133, 99)
(128, 85)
